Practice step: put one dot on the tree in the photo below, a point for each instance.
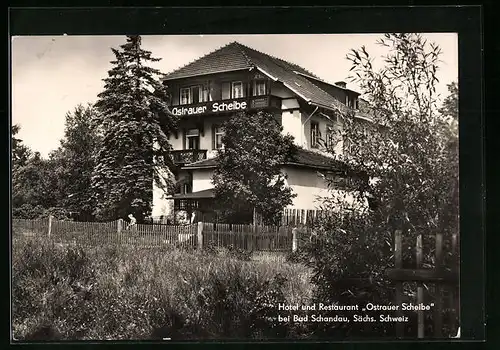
(34, 188)
(19, 152)
(410, 153)
(450, 103)
(248, 174)
(74, 162)
(134, 120)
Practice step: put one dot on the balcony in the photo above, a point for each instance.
(227, 106)
(186, 156)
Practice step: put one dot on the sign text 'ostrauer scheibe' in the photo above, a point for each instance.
(210, 107)
(348, 313)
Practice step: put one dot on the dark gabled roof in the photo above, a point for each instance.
(225, 59)
(316, 160)
(236, 56)
(303, 158)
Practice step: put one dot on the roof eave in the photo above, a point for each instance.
(266, 73)
(310, 166)
(321, 80)
(198, 167)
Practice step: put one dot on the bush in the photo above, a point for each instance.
(348, 259)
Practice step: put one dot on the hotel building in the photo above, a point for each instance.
(236, 78)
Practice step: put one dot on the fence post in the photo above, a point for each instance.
(120, 226)
(294, 239)
(420, 289)
(398, 259)
(50, 224)
(438, 308)
(200, 235)
(454, 299)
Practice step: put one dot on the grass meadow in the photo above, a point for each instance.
(82, 293)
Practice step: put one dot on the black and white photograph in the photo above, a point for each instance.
(235, 187)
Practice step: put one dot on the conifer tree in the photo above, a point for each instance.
(134, 120)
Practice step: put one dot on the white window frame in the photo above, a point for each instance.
(233, 84)
(315, 134)
(218, 132)
(201, 89)
(330, 135)
(188, 136)
(205, 89)
(190, 96)
(259, 82)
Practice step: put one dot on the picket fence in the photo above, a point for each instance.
(199, 235)
(305, 217)
(443, 277)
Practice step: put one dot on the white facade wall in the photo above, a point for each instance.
(306, 183)
(292, 124)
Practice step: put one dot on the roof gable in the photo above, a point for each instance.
(225, 59)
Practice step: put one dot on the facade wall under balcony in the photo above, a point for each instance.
(202, 179)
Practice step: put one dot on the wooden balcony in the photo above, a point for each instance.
(186, 156)
(228, 106)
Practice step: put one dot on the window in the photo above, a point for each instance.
(193, 139)
(194, 94)
(218, 133)
(351, 102)
(315, 135)
(259, 87)
(237, 89)
(331, 136)
(185, 96)
(205, 94)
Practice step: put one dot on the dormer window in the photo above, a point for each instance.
(259, 87)
(194, 94)
(185, 96)
(237, 89)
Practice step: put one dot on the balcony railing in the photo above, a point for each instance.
(187, 156)
(229, 105)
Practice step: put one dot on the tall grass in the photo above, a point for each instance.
(73, 292)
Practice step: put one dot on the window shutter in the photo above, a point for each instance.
(183, 138)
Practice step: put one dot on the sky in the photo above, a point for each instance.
(51, 75)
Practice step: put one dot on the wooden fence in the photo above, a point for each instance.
(296, 217)
(199, 235)
(249, 237)
(444, 275)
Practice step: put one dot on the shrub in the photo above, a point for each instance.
(348, 259)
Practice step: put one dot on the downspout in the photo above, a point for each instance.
(304, 123)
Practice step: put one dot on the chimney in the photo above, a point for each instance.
(341, 84)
